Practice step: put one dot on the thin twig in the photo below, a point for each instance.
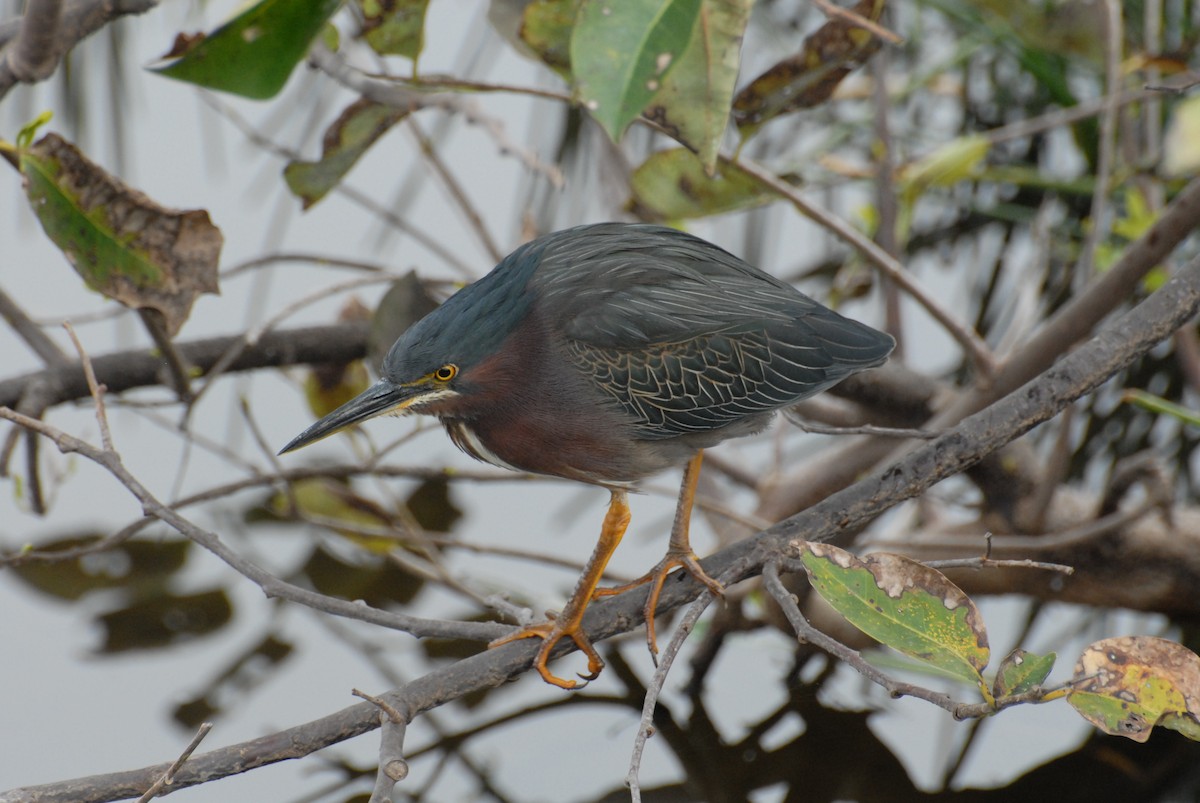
(95, 388)
(1024, 544)
(429, 151)
(168, 777)
(887, 232)
(321, 260)
(256, 333)
(178, 370)
(866, 429)
(427, 81)
(1072, 114)
(392, 766)
(854, 18)
(990, 563)
(654, 689)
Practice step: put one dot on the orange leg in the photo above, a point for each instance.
(679, 553)
(567, 623)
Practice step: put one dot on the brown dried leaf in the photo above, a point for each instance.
(809, 78)
(121, 242)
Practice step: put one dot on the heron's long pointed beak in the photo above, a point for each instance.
(380, 398)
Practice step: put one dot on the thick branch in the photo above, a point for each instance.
(141, 368)
(48, 31)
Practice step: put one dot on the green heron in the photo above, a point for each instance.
(604, 354)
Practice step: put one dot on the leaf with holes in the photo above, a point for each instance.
(903, 604)
(1022, 671)
(622, 50)
(254, 53)
(693, 103)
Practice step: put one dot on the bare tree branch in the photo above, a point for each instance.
(338, 343)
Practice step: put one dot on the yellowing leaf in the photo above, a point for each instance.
(1181, 145)
(1125, 686)
(335, 505)
(546, 27)
(904, 604)
(955, 161)
(1137, 217)
(395, 27)
(673, 185)
(328, 387)
(694, 102)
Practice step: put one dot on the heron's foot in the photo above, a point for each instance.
(551, 633)
(656, 577)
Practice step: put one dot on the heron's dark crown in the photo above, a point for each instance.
(471, 325)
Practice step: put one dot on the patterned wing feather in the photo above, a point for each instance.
(686, 337)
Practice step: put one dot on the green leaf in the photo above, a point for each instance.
(136, 565)
(1181, 145)
(374, 579)
(693, 104)
(903, 604)
(328, 386)
(356, 129)
(1155, 404)
(622, 50)
(433, 506)
(1125, 686)
(1022, 671)
(122, 243)
(164, 619)
(673, 185)
(334, 504)
(952, 162)
(546, 27)
(395, 27)
(254, 53)
(29, 130)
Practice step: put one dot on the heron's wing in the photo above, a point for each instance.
(686, 337)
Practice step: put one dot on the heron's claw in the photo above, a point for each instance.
(551, 632)
(656, 577)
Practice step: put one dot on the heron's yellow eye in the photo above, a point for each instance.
(446, 373)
